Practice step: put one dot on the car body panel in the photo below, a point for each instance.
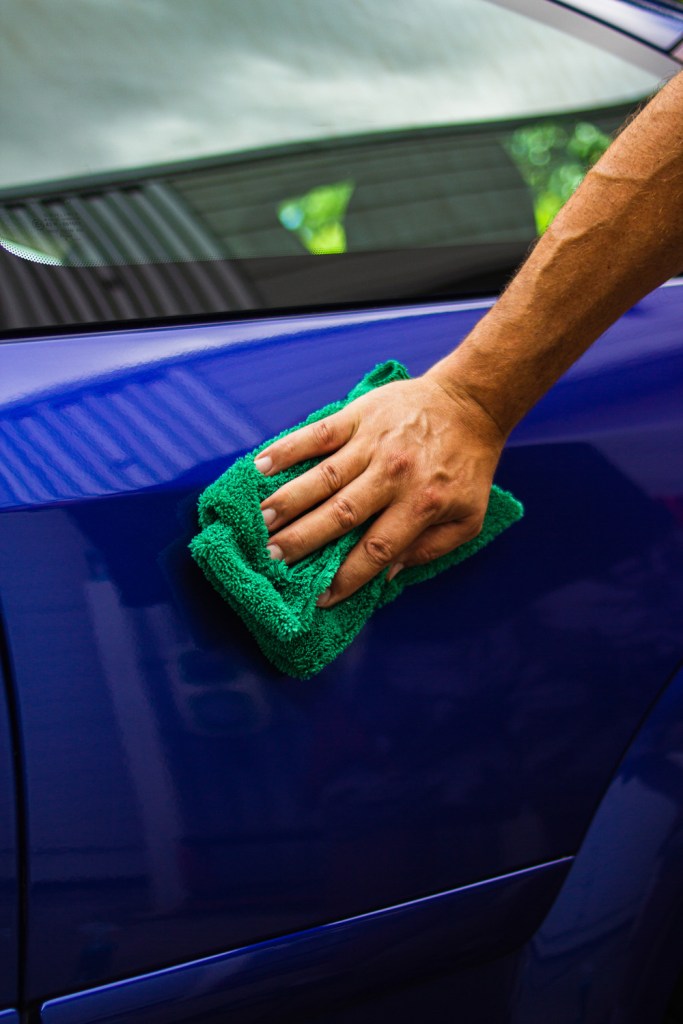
(9, 854)
(186, 797)
(336, 964)
(611, 948)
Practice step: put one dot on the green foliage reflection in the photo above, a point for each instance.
(316, 217)
(553, 159)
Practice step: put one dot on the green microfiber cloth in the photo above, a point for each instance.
(278, 602)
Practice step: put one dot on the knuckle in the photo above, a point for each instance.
(280, 501)
(331, 477)
(291, 541)
(323, 433)
(378, 550)
(286, 448)
(283, 502)
(424, 553)
(344, 513)
(398, 464)
(428, 503)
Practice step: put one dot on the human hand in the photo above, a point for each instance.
(420, 455)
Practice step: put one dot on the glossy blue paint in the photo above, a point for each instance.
(9, 889)
(612, 946)
(185, 798)
(339, 963)
(661, 27)
(9, 1017)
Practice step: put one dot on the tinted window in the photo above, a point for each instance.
(207, 158)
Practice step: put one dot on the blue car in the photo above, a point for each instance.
(214, 219)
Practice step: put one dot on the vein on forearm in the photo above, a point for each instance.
(618, 237)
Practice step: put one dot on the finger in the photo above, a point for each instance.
(319, 438)
(435, 541)
(348, 508)
(391, 533)
(370, 556)
(323, 481)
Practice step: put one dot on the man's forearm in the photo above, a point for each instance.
(618, 237)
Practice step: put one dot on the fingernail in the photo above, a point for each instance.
(269, 516)
(394, 569)
(264, 463)
(274, 550)
(324, 598)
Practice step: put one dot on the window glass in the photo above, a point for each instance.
(285, 152)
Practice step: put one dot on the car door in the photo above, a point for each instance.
(204, 834)
(11, 835)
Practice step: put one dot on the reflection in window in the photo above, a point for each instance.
(553, 159)
(27, 252)
(316, 217)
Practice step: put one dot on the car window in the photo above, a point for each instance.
(173, 159)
